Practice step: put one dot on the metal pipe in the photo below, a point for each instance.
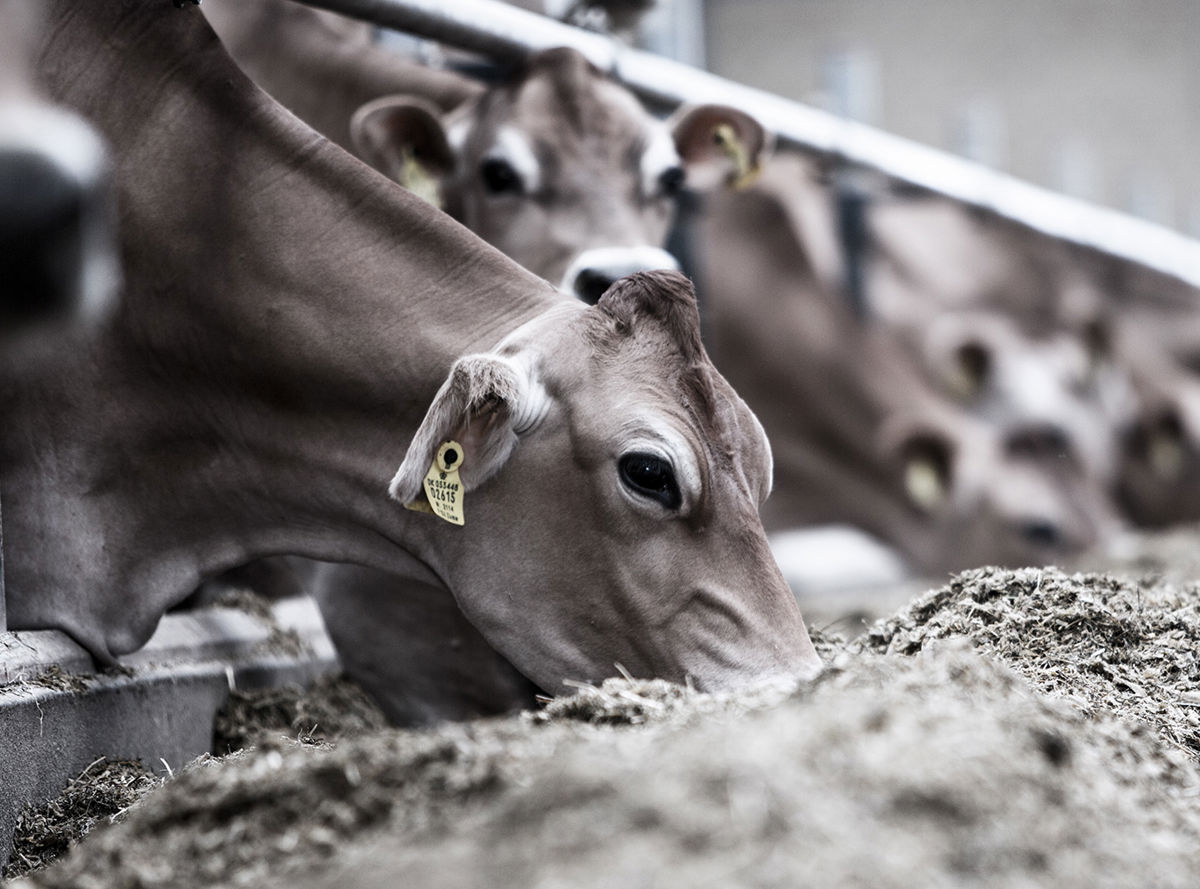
(484, 26)
(3, 608)
(502, 31)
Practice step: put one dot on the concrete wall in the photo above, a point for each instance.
(1094, 97)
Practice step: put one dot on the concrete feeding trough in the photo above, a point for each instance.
(57, 715)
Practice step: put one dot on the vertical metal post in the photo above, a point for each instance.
(3, 611)
(852, 205)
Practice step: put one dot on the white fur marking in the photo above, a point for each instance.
(660, 155)
(457, 132)
(617, 262)
(62, 137)
(668, 444)
(513, 146)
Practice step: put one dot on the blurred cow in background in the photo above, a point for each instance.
(863, 431)
(1158, 339)
(1011, 324)
(555, 163)
(559, 167)
(1101, 358)
(322, 66)
(57, 253)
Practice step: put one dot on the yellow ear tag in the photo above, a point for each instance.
(744, 173)
(419, 180)
(443, 486)
(924, 483)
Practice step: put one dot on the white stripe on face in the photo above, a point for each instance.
(457, 129)
(64, 139)
(660, 155)
(513, 146)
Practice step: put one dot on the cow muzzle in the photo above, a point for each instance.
(594, 271)
(58, 252)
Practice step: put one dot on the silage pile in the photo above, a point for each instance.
(1104, 643)
(332, 708)
(1058, 751)
(100, 793)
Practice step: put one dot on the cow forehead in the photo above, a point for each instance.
(644, 381)
(578, 116)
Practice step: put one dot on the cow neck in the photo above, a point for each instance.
(321, 66)
(287, 319)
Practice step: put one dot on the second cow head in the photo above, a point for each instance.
(559, 167)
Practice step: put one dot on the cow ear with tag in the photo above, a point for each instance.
(402, 137)
(484, 405)
(926, 465)
(719, 145)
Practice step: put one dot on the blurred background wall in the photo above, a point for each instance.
(1096, 98)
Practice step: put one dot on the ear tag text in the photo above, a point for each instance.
(443, 486)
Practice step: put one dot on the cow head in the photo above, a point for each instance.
(977, 493)
(612, 480)
(1061, 393)
(56, 239)
(560, 168)
(1159, 479)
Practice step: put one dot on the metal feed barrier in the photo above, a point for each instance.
(505, 32)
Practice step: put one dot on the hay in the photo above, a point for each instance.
(1102, 643)
(99, 794)
(1010, 729)
(331, 708)
(940, 769)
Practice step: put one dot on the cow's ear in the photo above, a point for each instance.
(402, 137)
(925, 460)
(719, 145)
(485, 404)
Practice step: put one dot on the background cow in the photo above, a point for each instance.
(861, 435)
(56, 250)
(560, 167)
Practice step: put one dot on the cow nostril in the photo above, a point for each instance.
(1041, 533)
(590, 285)
(42, 212)
(1039, 442)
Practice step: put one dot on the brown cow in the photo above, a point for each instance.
(1014, 325)
(291, 331)
(560, 167)
(322, 66)
(1119, 343)
(557, 165)
(860, 437)
(588, 185)
(1157, 336)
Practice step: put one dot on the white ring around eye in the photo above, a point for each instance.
(660, 155)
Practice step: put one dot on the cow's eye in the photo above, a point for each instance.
(650, 476)
(670, 181)
(499, 177)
